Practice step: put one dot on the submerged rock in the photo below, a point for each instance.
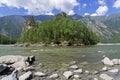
(107, 61)
(68, 74)
(72, 63)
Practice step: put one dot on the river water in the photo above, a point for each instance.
(88, 57)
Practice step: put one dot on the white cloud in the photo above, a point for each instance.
(37, 7)
(71, 12)
(102, 10)
(86, 14)
(94, 14)
(117, 4)
(84, 5)
(49, 13)
(101, 2)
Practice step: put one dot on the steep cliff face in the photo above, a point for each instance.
(106, 27)
(28, 24)
(98, 27)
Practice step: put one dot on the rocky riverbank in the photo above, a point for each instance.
(16, 67)
(43, 44)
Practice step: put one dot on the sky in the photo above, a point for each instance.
(52, 7)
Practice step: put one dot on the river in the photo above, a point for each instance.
(88, 57)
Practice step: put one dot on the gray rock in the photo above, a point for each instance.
(95, 79)
(68, 74)
(115, 61)
(74, 67)
(114, 70)
(29, 68)
(106, 77)
(26, 76)
(12, 76)
(79, 71)
(87, 72)
(107, 61)
(96, 72)
(54, 76)
(40, 74)
(3, 67)
(105, 69)
(76, 76)
(21, 64)
(10, 59)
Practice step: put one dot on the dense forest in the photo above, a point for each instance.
(59, 29)
(6, 40)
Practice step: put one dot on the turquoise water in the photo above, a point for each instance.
(88, 57)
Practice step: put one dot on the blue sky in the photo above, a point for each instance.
(51, 7)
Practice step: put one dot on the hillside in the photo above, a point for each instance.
(11, 25)
(58, 30)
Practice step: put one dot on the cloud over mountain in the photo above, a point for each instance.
(117, 4)
(102, 9)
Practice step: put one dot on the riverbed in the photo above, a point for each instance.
(87, 57)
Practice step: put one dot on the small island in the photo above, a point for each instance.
(61, 30)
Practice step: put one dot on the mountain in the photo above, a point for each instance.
(11, 26)
(106, 27)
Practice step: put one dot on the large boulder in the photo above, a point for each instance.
(26, 76)
(10, 59)
(12, 76)
(3, 67)
(115, 61)
(21, 64)
(107, 61)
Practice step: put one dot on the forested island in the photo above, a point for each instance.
(61, 29)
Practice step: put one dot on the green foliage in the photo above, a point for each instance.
(6, 40)
(116, 38)
(61, 28)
